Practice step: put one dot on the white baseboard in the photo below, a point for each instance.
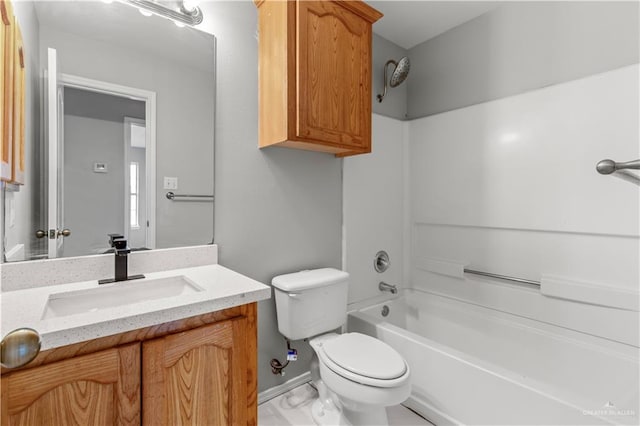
(278, 390)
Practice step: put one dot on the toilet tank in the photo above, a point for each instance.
(311, 302)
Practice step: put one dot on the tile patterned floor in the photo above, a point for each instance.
(294, 409)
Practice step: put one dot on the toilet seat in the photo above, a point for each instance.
(365, 360)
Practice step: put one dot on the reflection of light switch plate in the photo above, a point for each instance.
(100, 168)
(170, 182)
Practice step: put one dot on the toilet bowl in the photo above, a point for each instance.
(357, 376)
(362, 375)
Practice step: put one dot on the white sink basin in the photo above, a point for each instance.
(117, 294)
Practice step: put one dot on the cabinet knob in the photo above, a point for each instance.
(19, 347)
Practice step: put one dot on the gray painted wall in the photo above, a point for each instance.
(277, 210)
(183, 150)
(520, 46)
(94, 202)
(26, 203)
(84, 103)
(394, 103)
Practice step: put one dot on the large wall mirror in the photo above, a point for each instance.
(119, 132)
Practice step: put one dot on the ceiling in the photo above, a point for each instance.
(408, 23)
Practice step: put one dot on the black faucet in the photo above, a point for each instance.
(121, 250)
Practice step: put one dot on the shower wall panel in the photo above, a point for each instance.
(374, 208)
(510, 187)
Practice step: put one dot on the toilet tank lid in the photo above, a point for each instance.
(310, 278)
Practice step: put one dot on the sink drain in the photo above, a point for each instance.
(385, 310)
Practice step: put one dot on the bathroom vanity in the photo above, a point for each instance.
(187, 356)
(199, 370)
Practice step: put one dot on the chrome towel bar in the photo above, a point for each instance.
(188, 197)
(606, 167)
(502, 277)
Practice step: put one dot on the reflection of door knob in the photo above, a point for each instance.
(19, 347)
(65, 232)
(40, 233)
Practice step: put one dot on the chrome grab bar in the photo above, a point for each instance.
(606, 167)
(181, 197)
(502, 277)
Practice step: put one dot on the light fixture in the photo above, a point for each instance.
(186, 12)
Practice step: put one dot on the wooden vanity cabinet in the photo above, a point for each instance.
(102, 388)
(196, 371)
(196, 377)
(315, 75)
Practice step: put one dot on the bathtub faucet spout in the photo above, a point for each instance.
(387, 287)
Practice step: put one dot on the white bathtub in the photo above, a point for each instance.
(473, 365)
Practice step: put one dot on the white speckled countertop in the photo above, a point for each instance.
(221, 288)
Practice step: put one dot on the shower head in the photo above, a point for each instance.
(399, 75)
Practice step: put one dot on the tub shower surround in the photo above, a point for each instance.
(522, 199)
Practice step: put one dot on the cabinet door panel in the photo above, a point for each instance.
(334, 66)
(97, 389)
(197, 377)
(7, 21)
(18, 165)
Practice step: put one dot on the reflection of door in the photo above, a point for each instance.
(96, 169)
(83, 164)
(56, 231)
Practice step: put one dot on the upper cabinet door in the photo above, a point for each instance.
(334, 74)
(18, 166)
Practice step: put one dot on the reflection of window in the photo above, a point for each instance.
(135, 196)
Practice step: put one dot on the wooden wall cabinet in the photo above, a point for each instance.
(315, 75)
(7, 23)
(12, 94)
(198, 371)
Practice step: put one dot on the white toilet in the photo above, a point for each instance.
(357, 376)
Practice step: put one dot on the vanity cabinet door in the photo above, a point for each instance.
(99, 389)
(198, 377)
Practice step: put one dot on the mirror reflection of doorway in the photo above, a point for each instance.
(135, 212)
(103, 171)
